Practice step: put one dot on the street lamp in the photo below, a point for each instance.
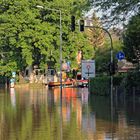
(111, 42)
(111, 61)
(60, 49)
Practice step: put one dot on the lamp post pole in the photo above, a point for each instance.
(111, 43)
(60, 49)
(60, 54)
(111, 61)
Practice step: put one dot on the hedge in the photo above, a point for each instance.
(101, 85)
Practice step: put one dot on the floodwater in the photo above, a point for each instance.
(39, 114)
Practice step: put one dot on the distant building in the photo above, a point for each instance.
(125, 66)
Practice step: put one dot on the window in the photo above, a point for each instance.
(79, 77)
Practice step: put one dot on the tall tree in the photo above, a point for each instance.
(95, 35)
(132, 39)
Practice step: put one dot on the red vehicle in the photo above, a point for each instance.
(81, 82)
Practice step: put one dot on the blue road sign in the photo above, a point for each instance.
(120, 55)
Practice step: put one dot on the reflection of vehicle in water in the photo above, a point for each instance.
(72, 100)
(84, 95)
(81, 82)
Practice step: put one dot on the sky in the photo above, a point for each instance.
(90, 12)
(99, 14)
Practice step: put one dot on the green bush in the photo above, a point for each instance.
(117, 80)
(133, 79)
(101, 85)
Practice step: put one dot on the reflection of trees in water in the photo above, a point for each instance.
(125, 117)
(101, 106)
(30, 118)
(36, 115)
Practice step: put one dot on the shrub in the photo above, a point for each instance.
(101, 85)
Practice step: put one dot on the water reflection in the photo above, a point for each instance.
(37, 114)
(13, 97)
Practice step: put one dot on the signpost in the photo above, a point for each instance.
(88, 68)
(120, 55)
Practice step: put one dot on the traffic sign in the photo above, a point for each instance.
(88, 68)
(120, 55)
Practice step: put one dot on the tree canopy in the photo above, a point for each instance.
(132, 39)
(31, 35)
(96, 35)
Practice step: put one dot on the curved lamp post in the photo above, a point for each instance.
(60, 49)
(111, 61)
(111, 43)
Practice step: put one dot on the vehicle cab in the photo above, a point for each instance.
(81, 81)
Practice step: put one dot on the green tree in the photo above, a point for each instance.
(95, 35)
(29, 35)
(102, 55)
(132, 39)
